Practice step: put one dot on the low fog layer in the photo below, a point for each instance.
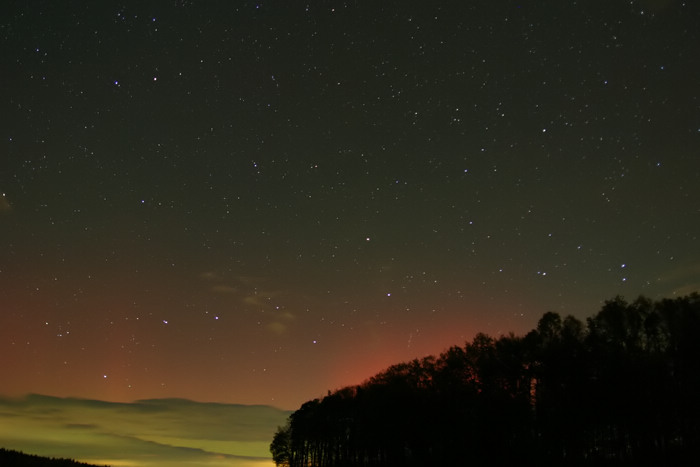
(146, 433)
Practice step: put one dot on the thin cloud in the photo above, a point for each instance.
(683, 280)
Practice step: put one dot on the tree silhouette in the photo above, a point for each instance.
(619, 390)
(281, 446)
(20, 459)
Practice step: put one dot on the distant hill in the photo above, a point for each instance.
(20, 459)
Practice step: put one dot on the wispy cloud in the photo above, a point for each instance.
(256, 294)
(684, 279)
(170, 432)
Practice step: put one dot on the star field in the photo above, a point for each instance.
(258, 201)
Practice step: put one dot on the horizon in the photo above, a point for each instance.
(166, 431)
(255, 203)
(319, 393)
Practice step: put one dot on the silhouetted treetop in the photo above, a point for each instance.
(620, 389)
(20, 459)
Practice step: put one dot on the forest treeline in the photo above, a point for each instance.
(19, 459)
(623, 388)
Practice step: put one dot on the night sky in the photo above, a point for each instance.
(256, 202)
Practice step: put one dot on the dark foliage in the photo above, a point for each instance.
(19, 459)
(620, 390)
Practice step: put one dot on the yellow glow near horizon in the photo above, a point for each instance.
(154, 434)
